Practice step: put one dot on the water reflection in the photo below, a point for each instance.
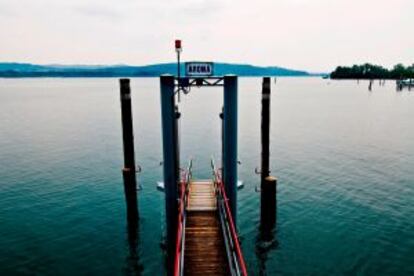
(266, 241)
(132, 262)
(265, 244)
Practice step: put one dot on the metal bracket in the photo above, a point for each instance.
(257, 171)
(138, 170)
(185, 83)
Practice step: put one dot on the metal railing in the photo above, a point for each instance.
(236, 261)
(182, 217)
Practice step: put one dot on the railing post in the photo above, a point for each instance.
(230, 142)
(171, 162)
(129, 171)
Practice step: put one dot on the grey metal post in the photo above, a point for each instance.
(171, 160)
(129, 171)
(230, 141)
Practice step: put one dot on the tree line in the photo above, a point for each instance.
(370, 71)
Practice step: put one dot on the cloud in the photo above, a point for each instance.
(99, 11)
(6, 10)
(305, 34)
(200, 9)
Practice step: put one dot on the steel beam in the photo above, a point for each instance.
(171, 160)
(230, 142)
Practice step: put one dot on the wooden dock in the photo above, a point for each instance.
(202, 196)
(205, 252)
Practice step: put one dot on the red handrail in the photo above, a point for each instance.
(178, 241)
(180, 228)
(232, 227)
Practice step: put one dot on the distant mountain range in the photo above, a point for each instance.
(22, 70)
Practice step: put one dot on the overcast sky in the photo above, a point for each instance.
(315, 35)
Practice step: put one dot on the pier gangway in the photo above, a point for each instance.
(207, 241)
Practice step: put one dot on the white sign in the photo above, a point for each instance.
(198, 69)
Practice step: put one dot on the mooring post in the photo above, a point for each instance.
(230, 142)
(171, 161)
(265, 127)
(268, 183)
(129, 171)
(268, 206)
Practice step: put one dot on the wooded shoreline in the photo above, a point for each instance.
(370, 71)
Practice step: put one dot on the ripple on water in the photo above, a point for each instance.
(343, 159)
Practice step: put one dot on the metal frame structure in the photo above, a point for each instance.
(171, 86)
(171, 162)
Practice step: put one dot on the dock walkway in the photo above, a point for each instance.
(205, 252)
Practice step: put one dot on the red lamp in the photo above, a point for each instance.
(178, 47)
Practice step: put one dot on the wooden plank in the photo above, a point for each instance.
(204, 245)
(202, 196)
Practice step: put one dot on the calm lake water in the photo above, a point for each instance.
(344, 158)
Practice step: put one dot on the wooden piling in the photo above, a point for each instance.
(265, 128)
(268, 183)
(269, 201)
(129, 171)
(370, 85)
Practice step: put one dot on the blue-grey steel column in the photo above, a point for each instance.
(171, 166)
(230, 141)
